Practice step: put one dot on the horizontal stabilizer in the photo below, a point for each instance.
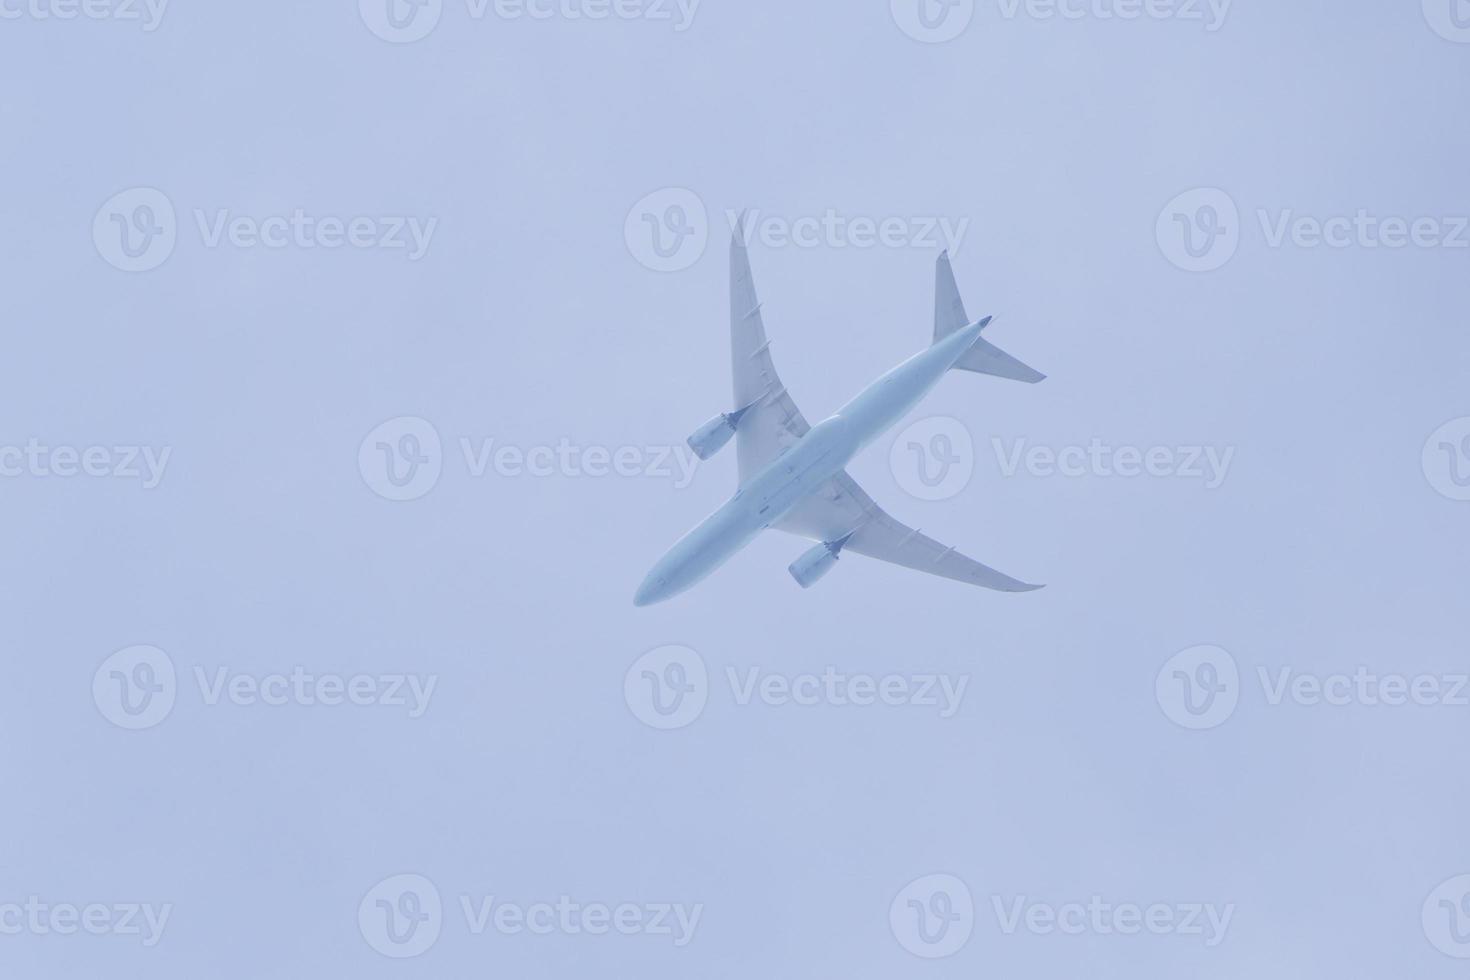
(986, 358)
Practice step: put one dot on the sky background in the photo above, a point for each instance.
(536, 316)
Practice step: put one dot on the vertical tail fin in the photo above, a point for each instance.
(949, 309)
(949, 316)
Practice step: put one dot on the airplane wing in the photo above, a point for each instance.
(773, 423)
(840, 508)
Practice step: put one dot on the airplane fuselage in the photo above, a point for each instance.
(816, 458)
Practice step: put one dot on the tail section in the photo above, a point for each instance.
(949, 316)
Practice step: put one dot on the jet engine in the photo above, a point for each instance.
(810, 567)
(711, 437)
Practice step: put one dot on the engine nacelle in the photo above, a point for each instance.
(711, 437)
(813, 565)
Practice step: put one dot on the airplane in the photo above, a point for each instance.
(793, 475)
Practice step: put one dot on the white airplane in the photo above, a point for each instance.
(792, 474)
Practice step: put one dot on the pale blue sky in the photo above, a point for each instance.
(529, 320)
